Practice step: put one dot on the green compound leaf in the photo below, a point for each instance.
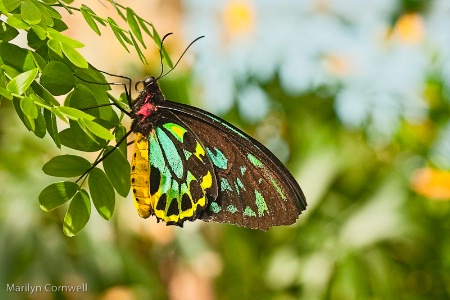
(68, 139)
(20, 83)
(157, 40)
(57, 36)
(138, 50)
(74, 56)
(7, 32)
(73, 113)
(119, 132)
(11, 5)
(78, 214)
(41, 33)
(117, 168)
(30, 13)
(98, 130)
(82, 135)
(16, 22)
(121, 37)
(41, 127)
(82, 98)
(57, 194)
(48, 10)
(131, 19)
(57, 78)
(86, 12)
(29, 108)
(55, 46)
(102, 193)
(66, 166)
(27, 121)
(6, 94)
(15, 57)
(143, 26)
(52, 127)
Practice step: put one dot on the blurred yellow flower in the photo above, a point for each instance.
(410, 28)
(432, 183)
(239, 17)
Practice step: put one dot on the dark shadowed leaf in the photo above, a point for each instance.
(119, 133)
(57, 78)
(102, 193)
(57, 194)
(16, 57)
(117, 168)
(68, 139)
(66, 166)
(52, 127)
(41, 127)
(78, 214)
(7, 32)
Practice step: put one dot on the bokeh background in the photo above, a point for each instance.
(352, 95)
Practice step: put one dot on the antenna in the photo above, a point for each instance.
(184, 52)
(160, 53)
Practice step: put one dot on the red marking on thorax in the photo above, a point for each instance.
(146, 110)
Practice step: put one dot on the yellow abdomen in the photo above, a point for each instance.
(140, 177)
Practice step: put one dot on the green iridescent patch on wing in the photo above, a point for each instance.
(176, 130)
(180, 178)
(172, 156)
(257, 163)
(278, 188)
(238, 185)
(232, 209)
(260, 203)
(215, 208)
(244, 189)
(225, 185)
(248, 212)
(218, 158)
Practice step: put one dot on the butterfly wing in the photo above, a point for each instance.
(171, 174)
(255, 189)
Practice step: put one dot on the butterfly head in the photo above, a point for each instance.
(148, 99)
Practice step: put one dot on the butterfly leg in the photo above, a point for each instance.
(100, 159)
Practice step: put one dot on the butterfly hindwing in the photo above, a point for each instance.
(254, 188)
(180, 176)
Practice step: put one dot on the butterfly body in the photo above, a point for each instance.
(189, 164)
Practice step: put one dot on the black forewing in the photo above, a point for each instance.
(197, 164)
(255, 188)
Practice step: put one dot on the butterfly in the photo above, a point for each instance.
(189, 164)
